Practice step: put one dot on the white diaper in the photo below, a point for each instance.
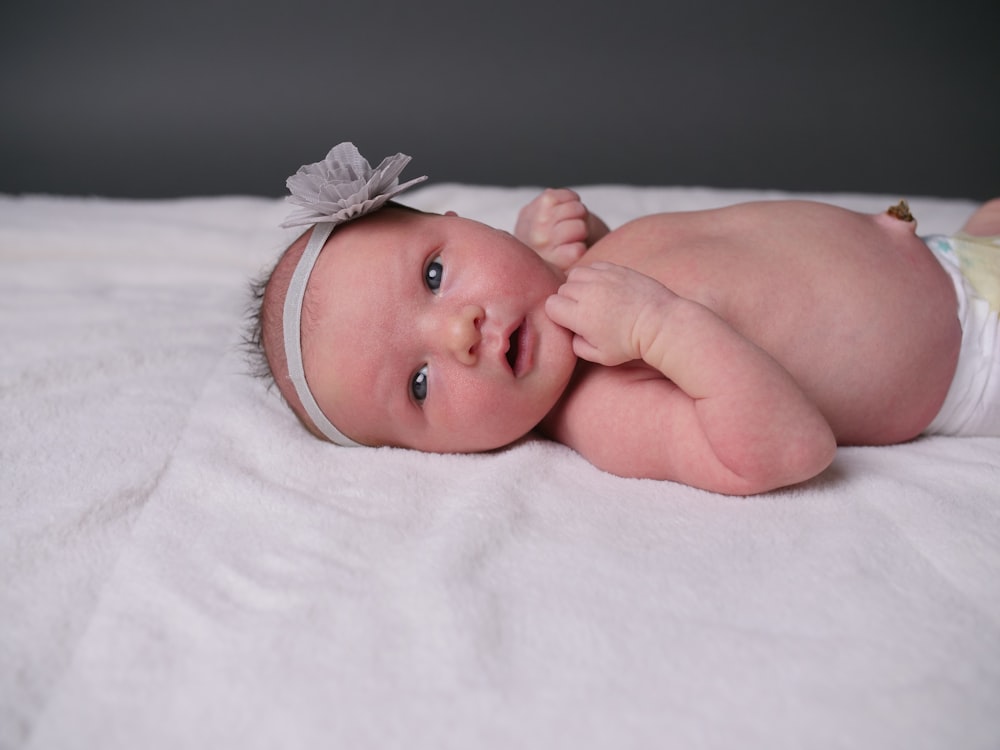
(972, 406)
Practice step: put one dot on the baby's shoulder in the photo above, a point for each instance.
(649, 239)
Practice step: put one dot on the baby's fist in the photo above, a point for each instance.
(615, 312)
(555, 225)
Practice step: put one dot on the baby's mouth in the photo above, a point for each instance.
(513, 347)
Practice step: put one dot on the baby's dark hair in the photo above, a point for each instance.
(252, 342)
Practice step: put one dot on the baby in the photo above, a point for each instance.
(729, 349)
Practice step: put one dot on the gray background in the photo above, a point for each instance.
(135, 99)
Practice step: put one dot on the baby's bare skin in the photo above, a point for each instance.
(855, 307)
(851, 315)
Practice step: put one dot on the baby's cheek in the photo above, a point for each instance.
(479, 411)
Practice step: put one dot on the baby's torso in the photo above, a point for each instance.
(854, 306)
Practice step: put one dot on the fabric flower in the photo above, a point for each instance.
(343, 186)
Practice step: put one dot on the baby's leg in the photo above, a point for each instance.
(985, 222)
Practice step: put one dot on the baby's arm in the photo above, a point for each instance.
(731, 419)
(559, 227)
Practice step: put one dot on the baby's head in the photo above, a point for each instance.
(419, 330)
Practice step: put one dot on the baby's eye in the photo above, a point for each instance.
(433, 274)
(418, 385)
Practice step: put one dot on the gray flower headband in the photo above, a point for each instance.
(336, 190)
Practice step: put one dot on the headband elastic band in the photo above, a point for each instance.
(292, 325)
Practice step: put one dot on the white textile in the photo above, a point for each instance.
(183, 566)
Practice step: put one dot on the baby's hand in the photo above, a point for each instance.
(615, 312)
(555, 225)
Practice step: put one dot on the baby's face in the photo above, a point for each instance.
(430, 332)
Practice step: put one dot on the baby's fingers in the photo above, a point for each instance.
(561, 310)
(552, 197)
(567, 254)
(568, 230)
(585, 350)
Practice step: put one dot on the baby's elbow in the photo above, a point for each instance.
(811, 456)
(798, 460)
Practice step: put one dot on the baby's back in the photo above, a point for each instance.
(854, 306)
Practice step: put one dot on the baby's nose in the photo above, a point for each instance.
(462, 334)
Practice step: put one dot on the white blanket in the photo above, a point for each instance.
(183, 566)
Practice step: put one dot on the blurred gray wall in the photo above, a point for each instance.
(139, 99)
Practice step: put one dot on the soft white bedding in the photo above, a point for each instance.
(183, 566)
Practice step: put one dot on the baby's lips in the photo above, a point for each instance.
(513, 353)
